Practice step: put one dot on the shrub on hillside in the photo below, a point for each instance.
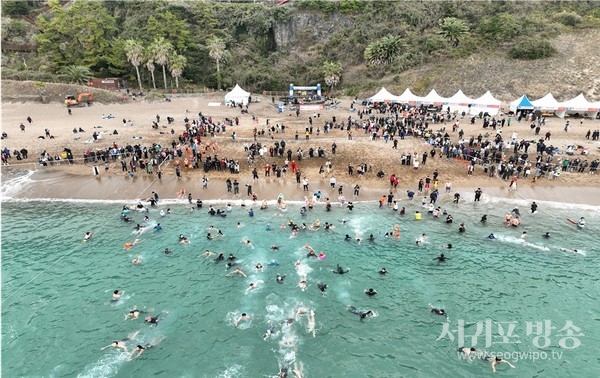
(531, 50)
(568, 18)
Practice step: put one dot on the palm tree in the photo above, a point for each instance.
(453, 29)
(216, 50)
(332, 72)
(176, 65)
(79, 74)
(150, 64)
(161, 50)
(135, 54)
(384, 50)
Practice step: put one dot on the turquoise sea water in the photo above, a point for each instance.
(57, 313)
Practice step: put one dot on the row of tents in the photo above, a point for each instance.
(489, 104)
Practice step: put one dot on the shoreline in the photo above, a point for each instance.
(60, 185)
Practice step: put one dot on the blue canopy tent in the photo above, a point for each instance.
(522, 103)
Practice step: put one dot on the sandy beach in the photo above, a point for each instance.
(77, 181)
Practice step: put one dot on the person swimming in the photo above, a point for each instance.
(347, 237)
(370, 292)
(447, 246)
(137, 260)
(340, 270)
(153, 320)
(121, 344)
(88, 236)
(259, 267)
(438, 311)
(168, 251)
(157, 227)
(322, 287)
(280, 278)
(441, 258)
(491, 237)
(363, 314)
(220, 258)
(546, 235)
(483, 218)
(116, 295)
(275, 247)
(371, 238)
(462, 228)
(383, 271)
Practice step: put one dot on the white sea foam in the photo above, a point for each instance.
(15, 185)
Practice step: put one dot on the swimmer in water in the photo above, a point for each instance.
(438, 311)
(259, 267)
(363, 314)
(497, 360)
(157, 227)
(247, 242)
(371, 292)
(467, 351)
(303, 284)
(139, 349)
(168, 251)
(219, 258)
(483, 219)
(347, 237)
(524, 235)
(462, 228)
(371, 238)
(236, 271)
(116, 295)
(137, 260)
(153, 320)
(231, 257)
(275, 247)
(129, 245)
(441, 258)
(207, 253)
(273, 263)
(447, 246)
(88, 236)
(491, 237)
(121, 344)
(280, 278)
(242, 317)
(340, 270)
(183, 239)
(546, 235)
(253, 285)
(422, 239)
(322, 287)
(383, 271)
(569, 250)
(311, 253)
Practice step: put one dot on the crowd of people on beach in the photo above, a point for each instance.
(195, 147)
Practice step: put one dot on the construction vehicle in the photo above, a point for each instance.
(82, 99)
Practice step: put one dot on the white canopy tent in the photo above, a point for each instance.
(459, 102)
(383, 96)
(546, 104)
(486, 104)
(407, 97)
(433, 98)
(577, 105)
(237, 96)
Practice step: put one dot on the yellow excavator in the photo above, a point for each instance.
(82, 99)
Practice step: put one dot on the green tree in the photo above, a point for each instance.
(332, 72)
(169, 27)
(80, 35)
(135, 55)
(216, 51)
(78, 74)
(149, 59)
(176, 65)
(384, 50)
(453, 29)
(161, 51)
